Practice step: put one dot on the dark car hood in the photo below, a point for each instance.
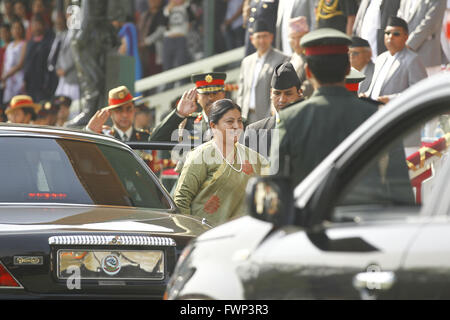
(19, 218)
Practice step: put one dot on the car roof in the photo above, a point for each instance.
(8, 129)
(416, 97)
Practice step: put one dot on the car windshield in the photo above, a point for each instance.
(44, 170)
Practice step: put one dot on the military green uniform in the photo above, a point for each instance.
(193, 127)
(310, 130)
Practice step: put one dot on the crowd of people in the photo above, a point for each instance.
(314, 70)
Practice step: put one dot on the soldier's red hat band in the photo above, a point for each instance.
(352, 86)
(326, 50)
(217, 82)
(113, 102)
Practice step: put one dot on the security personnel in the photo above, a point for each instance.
(310, 130)
(264, 10)
(185, 123)
(285, 91)
(121, 110)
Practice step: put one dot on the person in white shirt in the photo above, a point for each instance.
(371, 20)
(398, 68)
(360, 55)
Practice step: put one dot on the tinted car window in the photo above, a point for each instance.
(401, 175)
(68, 171)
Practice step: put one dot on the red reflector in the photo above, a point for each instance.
(6, 279)
(47, 195)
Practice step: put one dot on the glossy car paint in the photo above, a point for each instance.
(322, 260)
(25, 230)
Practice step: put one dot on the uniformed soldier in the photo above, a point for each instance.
(310, 130)
(22, 109)
(185, 123)
(285, 91)
(353, 79)
(254, 10)
(121, 110)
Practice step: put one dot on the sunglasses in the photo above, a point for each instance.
(395, 33)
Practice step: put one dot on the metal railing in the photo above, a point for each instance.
(161, 101)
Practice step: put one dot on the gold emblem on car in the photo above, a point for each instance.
(28, 260)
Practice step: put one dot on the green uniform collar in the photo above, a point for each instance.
(332, 91)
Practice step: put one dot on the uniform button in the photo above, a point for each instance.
(251, 19)
(256, 1)
(253, 9)
(265, 6)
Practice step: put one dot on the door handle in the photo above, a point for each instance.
(371, 280)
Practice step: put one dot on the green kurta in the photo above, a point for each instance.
(211, 188)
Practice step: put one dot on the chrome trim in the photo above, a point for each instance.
(20, 285)
(92, 240)
(109, 277)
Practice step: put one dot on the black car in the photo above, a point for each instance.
(370, 222)
(82, 216)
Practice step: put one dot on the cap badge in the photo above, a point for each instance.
(209, 78)
(121, 95)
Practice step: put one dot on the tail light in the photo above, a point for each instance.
(6, 279)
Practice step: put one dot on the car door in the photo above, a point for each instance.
(364, 218)
(425, 271)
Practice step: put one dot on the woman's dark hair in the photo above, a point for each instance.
(21, 26)
(220, 107)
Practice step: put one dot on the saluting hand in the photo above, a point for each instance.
(98, 120)
(187, 103)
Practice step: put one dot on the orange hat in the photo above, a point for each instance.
(119, 96)
(22, 101)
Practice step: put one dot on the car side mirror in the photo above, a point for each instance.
(270, 199)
